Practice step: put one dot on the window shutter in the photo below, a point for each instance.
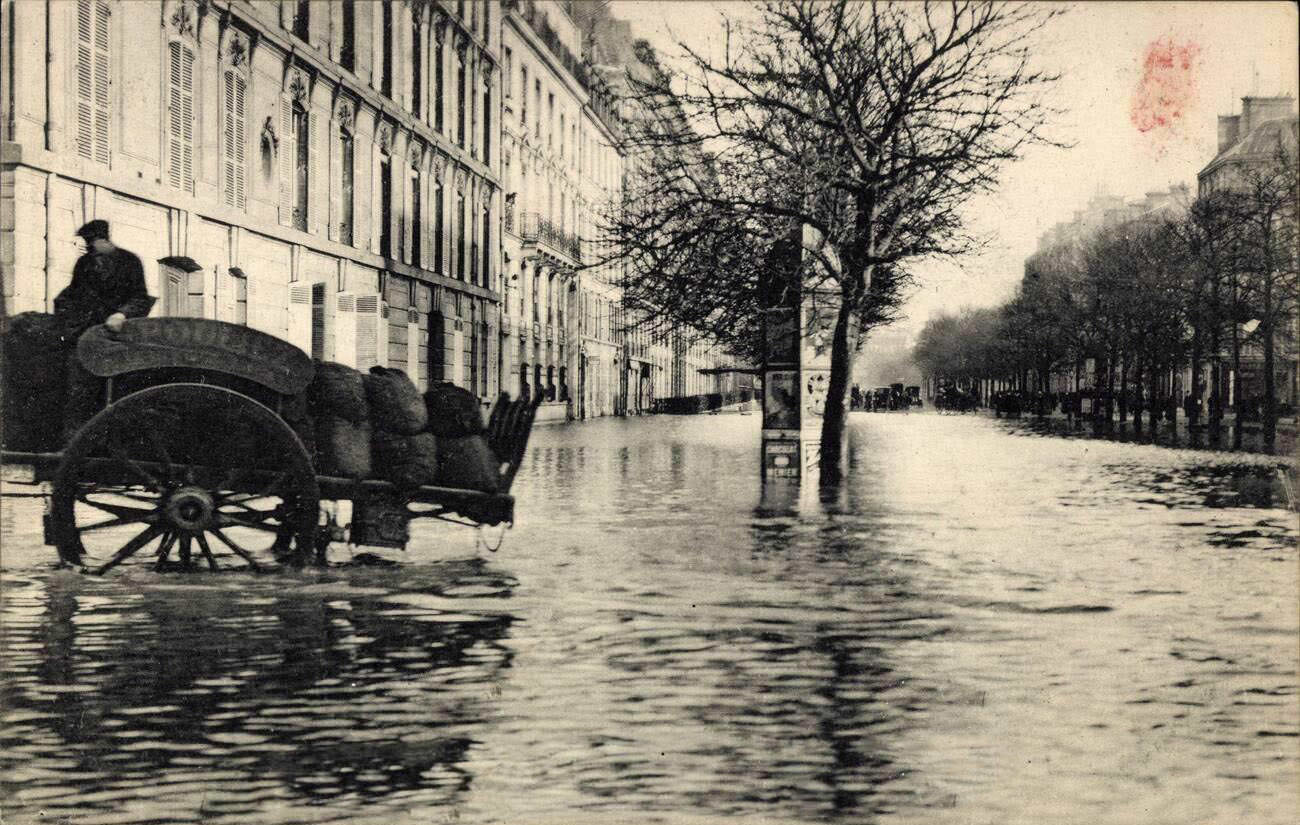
(187, 119)
(315, 175)
(180, 117)
(101, 70)
(286, 161)
(362, 163)
(228, 138)
(336, 180)
(241, 141)
(86, 79)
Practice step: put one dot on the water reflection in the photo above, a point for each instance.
(335, 689)
(977, 626)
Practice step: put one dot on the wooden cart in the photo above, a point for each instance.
(195, 456)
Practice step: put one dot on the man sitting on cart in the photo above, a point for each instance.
(107, 286)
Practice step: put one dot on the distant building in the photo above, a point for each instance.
(1252, 139)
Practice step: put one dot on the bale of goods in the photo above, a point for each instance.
(453, 412)
(339, 391)
(395, 403)
(295, 413)
(342, 447)
(405, 460)
(467, 462)
(35, 374)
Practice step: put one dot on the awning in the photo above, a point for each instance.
(180, 262)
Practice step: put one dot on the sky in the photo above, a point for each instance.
(1100, 50)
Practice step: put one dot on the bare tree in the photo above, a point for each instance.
(873, 123)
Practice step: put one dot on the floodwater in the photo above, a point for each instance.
(985, 626)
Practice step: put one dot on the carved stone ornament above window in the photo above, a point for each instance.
(345, 117)
(461, 179)
(413, 156)
(386, 139)
(298, 88)
(270, 141)
(439, 166)
(237, 51)
(182, 19)
(485, 195)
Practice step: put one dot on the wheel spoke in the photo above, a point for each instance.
(185, 551)
(148, 478)
(135, 518)
(150, 533)
(119, 510)
(239, 551)
(229, 520)
(207, 551)
(273, 486)
(164, 549)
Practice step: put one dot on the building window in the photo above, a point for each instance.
(92, 80)
(537, 100)
(487, 124)
(507, 72)
(550, 298)
(413, 196)
(550, 119)
(348, 161)
(301, 166)
(487, 246)
(348, 57)
(523, 96)
(438, 227)
(180, 116)
(563, 143)
(233, 138)
(301, 18)
(462, 89)
(460, 235)
(437, 80)
(537, 288)
(386, 64)
(386, 206)
(417, 70)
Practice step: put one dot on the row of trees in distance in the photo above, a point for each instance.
(1147, 298)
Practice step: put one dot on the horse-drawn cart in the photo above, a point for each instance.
(195, 456)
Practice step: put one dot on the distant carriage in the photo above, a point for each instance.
(196, 454)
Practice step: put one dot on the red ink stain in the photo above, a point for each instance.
(1168, 84)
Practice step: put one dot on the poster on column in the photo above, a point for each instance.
(818, 313)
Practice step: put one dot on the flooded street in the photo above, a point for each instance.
(986, 626)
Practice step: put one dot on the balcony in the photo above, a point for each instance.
(539, 231)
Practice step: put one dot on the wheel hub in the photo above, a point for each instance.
(190, 509)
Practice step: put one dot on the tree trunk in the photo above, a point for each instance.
(1123, 389)
(1236, 375)
(1156, 403)
(1269, 409)
(1137, 393)
(1110, 391)
(1193, 420)
(831, 461)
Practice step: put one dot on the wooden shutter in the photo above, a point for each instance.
(233, 137)
(286, 150)
(336, 180)
(363, 154)
(368, 331)
(92, 98)
(315, 174)
(180, 116)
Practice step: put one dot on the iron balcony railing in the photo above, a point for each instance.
(537, 229)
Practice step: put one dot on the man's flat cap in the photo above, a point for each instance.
(94, 229)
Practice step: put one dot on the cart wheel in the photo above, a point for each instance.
(186, 473)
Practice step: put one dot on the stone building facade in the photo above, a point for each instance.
(325, 171)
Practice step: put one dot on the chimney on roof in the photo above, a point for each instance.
(1257, 110)
(1229, 126)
